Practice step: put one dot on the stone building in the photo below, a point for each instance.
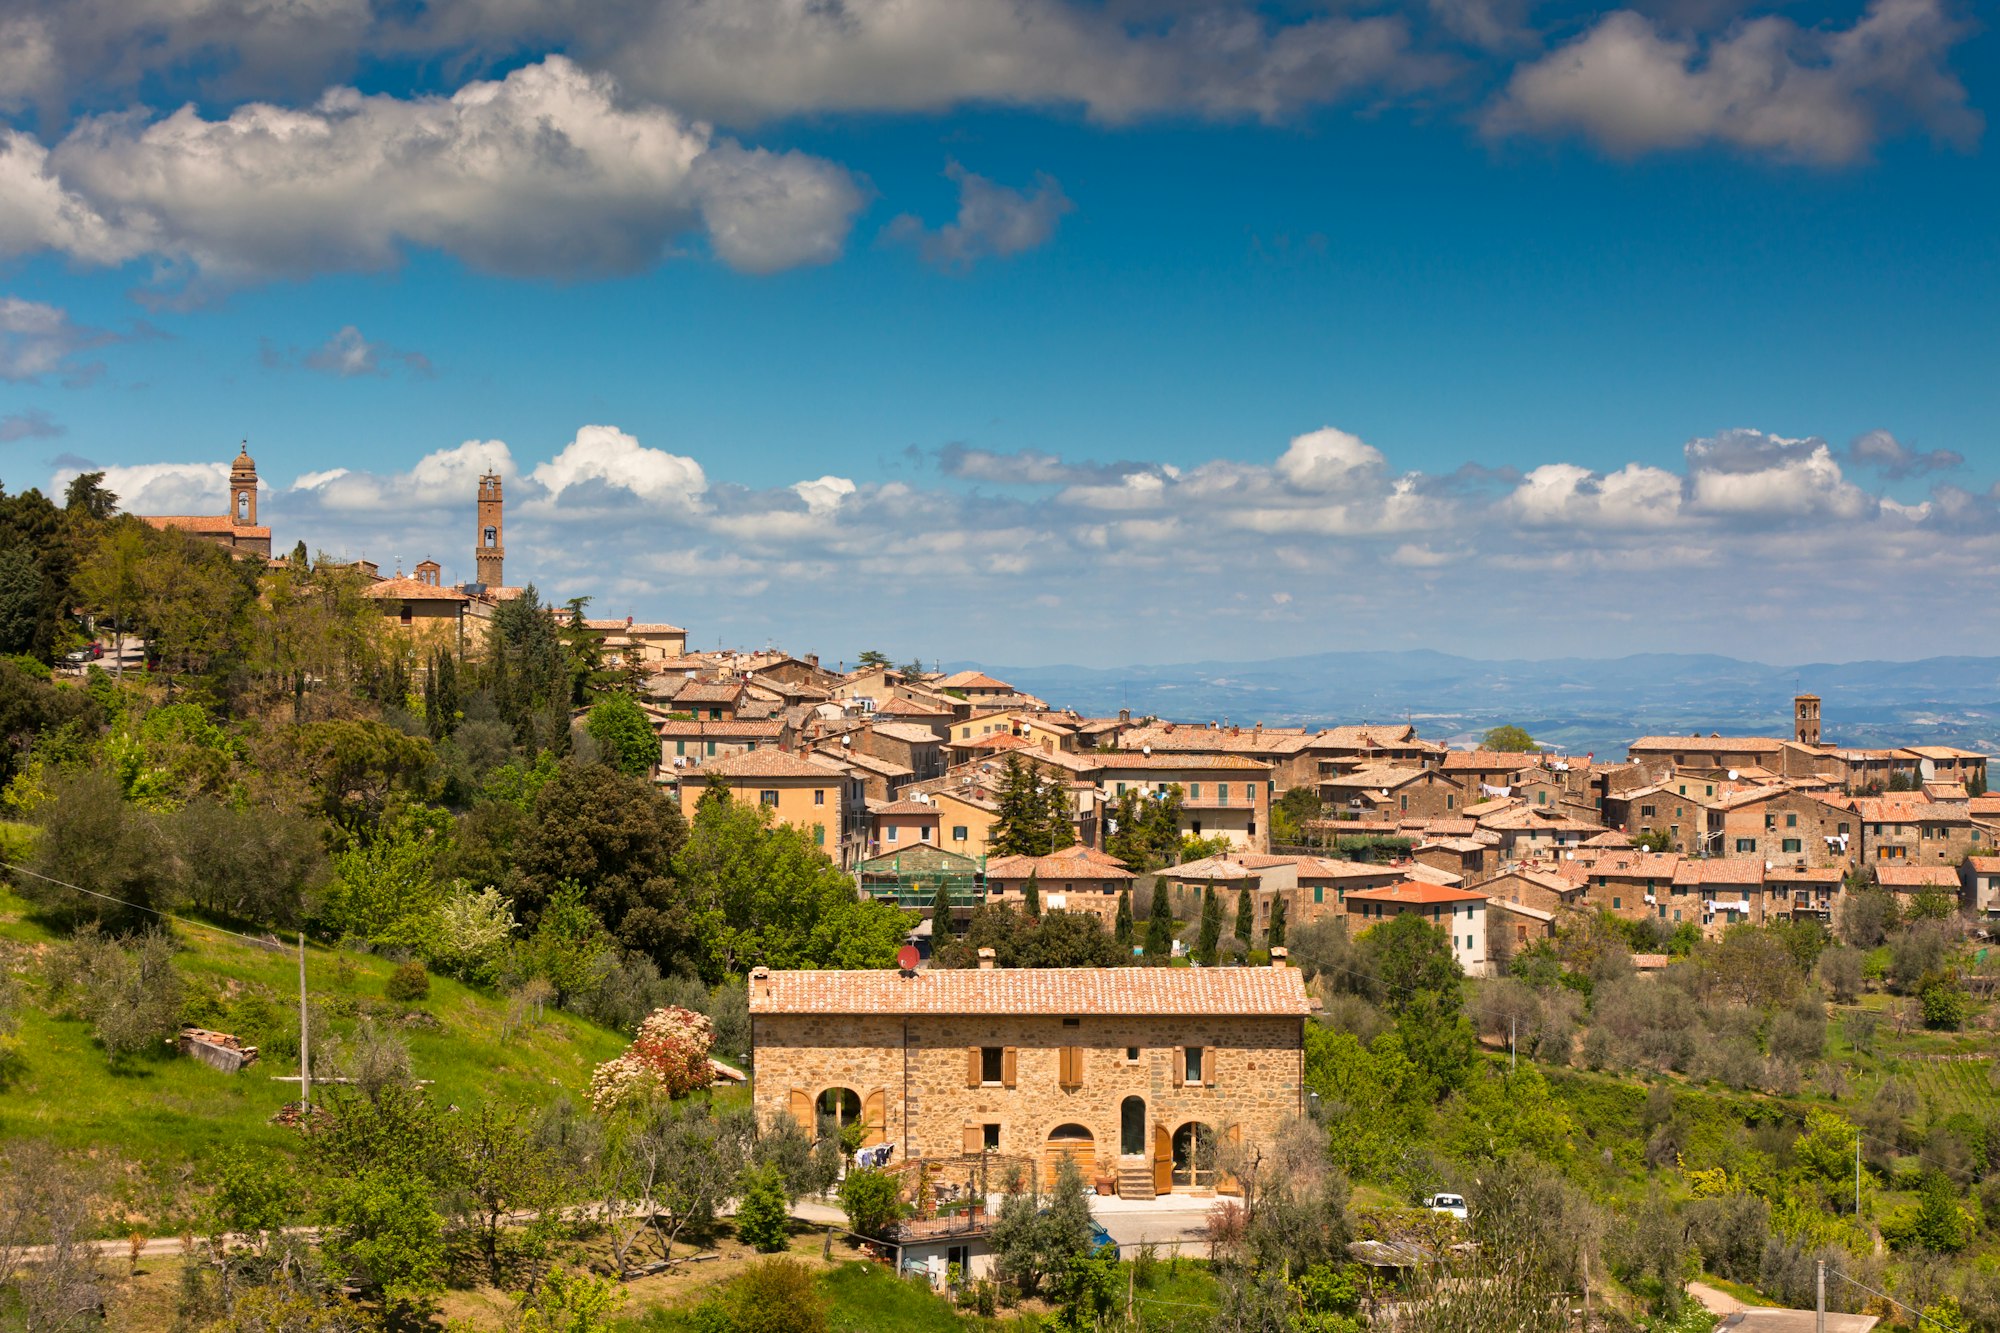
(1138, 1074)
(237, 530)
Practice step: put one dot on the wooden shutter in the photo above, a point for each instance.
(972, 1069)
(1224, 1182)
(975, 1140)
(1008, 1067)
(802, 1110)
(1180, 1065)
(1071, 1075)
(1163, 1160)
(874, 1117)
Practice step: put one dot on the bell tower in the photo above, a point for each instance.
(487, 550)
(243, 490)
(1805, 711)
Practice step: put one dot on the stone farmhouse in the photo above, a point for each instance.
(1136, 1074)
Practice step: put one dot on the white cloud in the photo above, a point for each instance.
(1565, 494)
(1746, 472)
(823, 496)
(1327, 460)
(348, 354)
(547, 171)
(1822, 95)
(1888, 455)
(608, 455)
(160, 488)
(37, 339)
(993, 221)
(1137, 490)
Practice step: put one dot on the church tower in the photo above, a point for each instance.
(243, 490)
(1805, 709)
(488, 552)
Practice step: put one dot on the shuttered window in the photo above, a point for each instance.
(1070, 1066)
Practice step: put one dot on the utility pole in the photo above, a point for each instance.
(1819, 1299)
(305, 1039)
(1512, 1019)
(1857, 1175)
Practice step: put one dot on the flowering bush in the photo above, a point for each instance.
(669, 1058)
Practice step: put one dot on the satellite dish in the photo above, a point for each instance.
(906, 958)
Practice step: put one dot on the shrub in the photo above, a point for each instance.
(408, 984)
(669, 1058)
(763, 1221)
(872, 1201)
(1945, 1003)
(775, 1296)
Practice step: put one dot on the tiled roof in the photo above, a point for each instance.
(741, 729)
(972, 680)
(906, 733)
(1916, 877)
(899, 706)
(1323, 867)
(621, 627)
(203, 523)
(1942, 752)
(1984, 865)
(1411, 891)
(1639, 865)
(1365, 737)
(1224, 762)
(1045, 868)
(1609, 838)
(1720, 870)
(764, 764)
(1229, 740)
(1709, 744)
(1473, 761)
(1389, 776)
(904, 808)
(412, 590)
(1066, 991)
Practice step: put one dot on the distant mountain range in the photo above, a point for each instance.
(1579, 704)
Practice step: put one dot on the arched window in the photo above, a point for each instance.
(1132, 1126)
(492, 536)
(1194, 1156)
(839, 1107)
(242, 506)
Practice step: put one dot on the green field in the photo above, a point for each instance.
(162, 1117)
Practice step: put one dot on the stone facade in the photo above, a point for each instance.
(1034, 1087)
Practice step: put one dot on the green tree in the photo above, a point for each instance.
(1298, 807)
(763, 1214)
(1068, 939)
(1246, 917)
(1508, 739)
(507, 1182)
(1944, 1001)
(1938, 1224)
(872, 1201)
(1421, 984)
(569, 947)
(1210, 938)
(530, 672)
(1031, 898)
(941, 913)
(1275, 934)
(1121, 930)
(386, 888)
(1034, 817)
(1159, 926)
(872, 658)
(624, 737)
(382, 1231)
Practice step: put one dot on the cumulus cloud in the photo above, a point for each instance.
(1328, 459)
(608, 455)
(823, 495)
(1888, 455)
(37, 339)
(544, 172)
(1563, 494)
(1747, 472)
(158, 488)
(1820, 95)
(33, 424)
(348, 355)
(993, 221)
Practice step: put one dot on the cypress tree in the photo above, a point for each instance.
(941, 914)
(1031, 897)
(1246, 917)
(1121, 930)
(1211, 926)
(1060, 827)
(1160, 927)
(1275, 936)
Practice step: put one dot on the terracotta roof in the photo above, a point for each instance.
(1412, 891)
(707, 692)
(741, 728)
(412, 590)
(1709, 744)
(1244, 740)
(1227, 762)
(1322, 867)
(622, 627)
(1366, 736)
(764, 764)
(1720, 870)
(1943, 752)
(900, 706)
(903, 808)
(1639, 865)
(972, 680)
(1609, 838)
(1066, 991)
(1820, 875)
(1984, 865)
(1479, 760)
(1046, 868)
(1916, 877)
(1389, 776)
(202, 523)
(907, 733)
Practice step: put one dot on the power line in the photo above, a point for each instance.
(262, 942)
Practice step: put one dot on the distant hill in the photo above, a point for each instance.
(1581, 704)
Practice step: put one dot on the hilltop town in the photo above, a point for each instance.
(918, 959)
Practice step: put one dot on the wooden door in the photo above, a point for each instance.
(1163, 1160)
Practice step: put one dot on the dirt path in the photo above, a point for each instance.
(1713, 1301)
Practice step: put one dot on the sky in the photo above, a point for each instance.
(1044, 331)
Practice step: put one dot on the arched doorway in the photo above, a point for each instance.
(1194, 1156)
(1071, 1141)
(1132, 1127)
(837, 1108)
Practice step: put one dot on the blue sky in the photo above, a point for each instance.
(979, 330)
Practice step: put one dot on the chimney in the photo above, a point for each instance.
(1124, 715)
(1278, 955)
(1257, 730)
(812, 660)
(986, 957)
(628, 622)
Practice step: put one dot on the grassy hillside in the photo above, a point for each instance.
(158, 1115)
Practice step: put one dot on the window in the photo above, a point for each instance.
(924, 833)
(958, 833)
(1069, 1067)
(989, 1137)
(406, 613)
(715, 714)
(819, 835)
(1319, 893)
(1121, 789)
(992, 1063)
(711, 749)
(1131, 1055)
(767, 797)
(1792, 845)
(1450, 801)
(1746, 844)
(895, 832)
(1406, 801)
(680, 747)
(1194, 791)
(1192, 1062)
(1617, 903)
(1791, 821)
(1645, 812)
(819, 796)
(492, 537)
